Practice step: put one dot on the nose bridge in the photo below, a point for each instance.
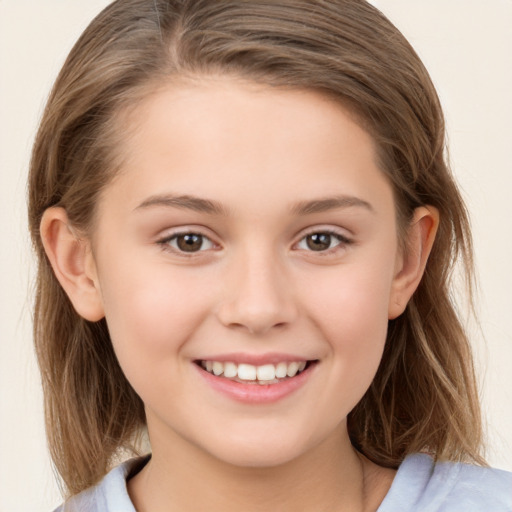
(259, 295)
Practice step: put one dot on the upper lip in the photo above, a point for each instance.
(255, 359)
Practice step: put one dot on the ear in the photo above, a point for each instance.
(73, 263)
(412, 260)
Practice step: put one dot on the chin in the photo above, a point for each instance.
(258, 458)
(258, 452)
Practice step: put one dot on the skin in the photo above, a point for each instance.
(254, 287)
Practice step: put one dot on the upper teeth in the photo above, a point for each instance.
(249, 372)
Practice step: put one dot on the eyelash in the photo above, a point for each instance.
(343, 241)
(166, 242)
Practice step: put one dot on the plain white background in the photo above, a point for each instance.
(467, 47)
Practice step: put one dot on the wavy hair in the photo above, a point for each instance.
(424, 395)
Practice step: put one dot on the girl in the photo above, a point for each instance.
(246, 228)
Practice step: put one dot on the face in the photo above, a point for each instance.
(245, 259)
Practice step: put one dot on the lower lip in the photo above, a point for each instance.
(256, 393)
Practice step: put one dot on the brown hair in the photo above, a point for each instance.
(424, 396)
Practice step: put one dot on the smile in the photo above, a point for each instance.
(253, 380)
(251, 374)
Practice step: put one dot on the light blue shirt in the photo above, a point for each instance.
(420, 485)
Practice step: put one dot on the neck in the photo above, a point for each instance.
(180, 476)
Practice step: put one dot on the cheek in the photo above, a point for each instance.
(349, 299)
(151, 314)
(351, 310)
(150, 320)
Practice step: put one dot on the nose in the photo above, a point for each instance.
(259, 296)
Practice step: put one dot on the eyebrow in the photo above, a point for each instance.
(186, 202)
(330, 203)
(201, 205)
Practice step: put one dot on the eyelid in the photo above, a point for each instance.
(163, 240)
(328, 229)
(344, 239)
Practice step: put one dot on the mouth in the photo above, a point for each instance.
(266, 374)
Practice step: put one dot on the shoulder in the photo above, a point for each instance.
(110, 494)
(427, 486)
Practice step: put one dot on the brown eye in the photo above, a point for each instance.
(322, 241)
(319, 241)
(189, 242)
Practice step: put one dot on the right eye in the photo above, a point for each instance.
(187, 242)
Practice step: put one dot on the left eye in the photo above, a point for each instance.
(321, 241)
(189, 242)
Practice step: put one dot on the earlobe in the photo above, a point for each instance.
(412, 261)
(72, 262)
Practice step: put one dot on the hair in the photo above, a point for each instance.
(423, 397)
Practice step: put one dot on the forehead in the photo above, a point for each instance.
(222, 137)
